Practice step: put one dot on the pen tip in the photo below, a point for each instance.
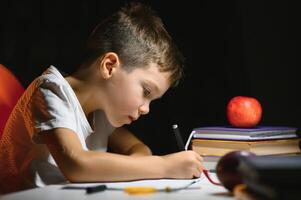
(174, 126)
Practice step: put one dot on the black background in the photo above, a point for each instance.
(231, 47)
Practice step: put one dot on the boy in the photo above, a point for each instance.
(61, 126)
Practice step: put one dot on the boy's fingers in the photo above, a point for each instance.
(197, 174)
(201, 168)
(200, 158)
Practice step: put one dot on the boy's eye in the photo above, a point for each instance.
(146, 91)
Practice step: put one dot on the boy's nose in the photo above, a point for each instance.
(144, 109)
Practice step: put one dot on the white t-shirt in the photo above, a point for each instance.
(49, 102)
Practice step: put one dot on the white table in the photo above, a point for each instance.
(206, 191)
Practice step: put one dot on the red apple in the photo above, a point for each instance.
(244, 112)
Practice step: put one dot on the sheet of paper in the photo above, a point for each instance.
(156, 183)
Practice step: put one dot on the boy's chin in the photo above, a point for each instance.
(120, 122)
(117, 124)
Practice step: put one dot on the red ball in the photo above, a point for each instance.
(244, 112)
(10, 91)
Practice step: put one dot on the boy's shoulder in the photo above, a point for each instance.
(51, 73)
(50, 77)
(51, 88)
(50, 81)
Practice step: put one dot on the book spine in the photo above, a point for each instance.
(240, 137)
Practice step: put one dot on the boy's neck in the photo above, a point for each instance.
(84, 92)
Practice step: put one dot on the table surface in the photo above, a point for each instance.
(54, 192)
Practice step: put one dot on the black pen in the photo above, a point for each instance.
(182, 148)
(178, 137)
(89, 189)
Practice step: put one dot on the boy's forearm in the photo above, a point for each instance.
(79, 165)
(100, 166)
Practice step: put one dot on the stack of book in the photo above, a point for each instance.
(272, 177)
(262, 140)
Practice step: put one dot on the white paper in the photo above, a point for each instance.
(159, 184)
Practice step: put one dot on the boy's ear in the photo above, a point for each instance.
(109, 64)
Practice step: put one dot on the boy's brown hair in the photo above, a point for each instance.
(137, 35)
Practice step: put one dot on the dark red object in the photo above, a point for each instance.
(227, 168)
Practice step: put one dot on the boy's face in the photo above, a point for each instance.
(129, 94)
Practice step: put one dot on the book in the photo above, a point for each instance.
(256, 191)
(210, 162)
(280, 171)
(246, 134)
(267, 192)
(272, 177)
(207, 147)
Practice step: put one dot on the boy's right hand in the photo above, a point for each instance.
(184, 164)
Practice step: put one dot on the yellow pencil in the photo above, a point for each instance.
(139, 190)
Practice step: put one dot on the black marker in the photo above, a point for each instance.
(178, 137)
(98, 188)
